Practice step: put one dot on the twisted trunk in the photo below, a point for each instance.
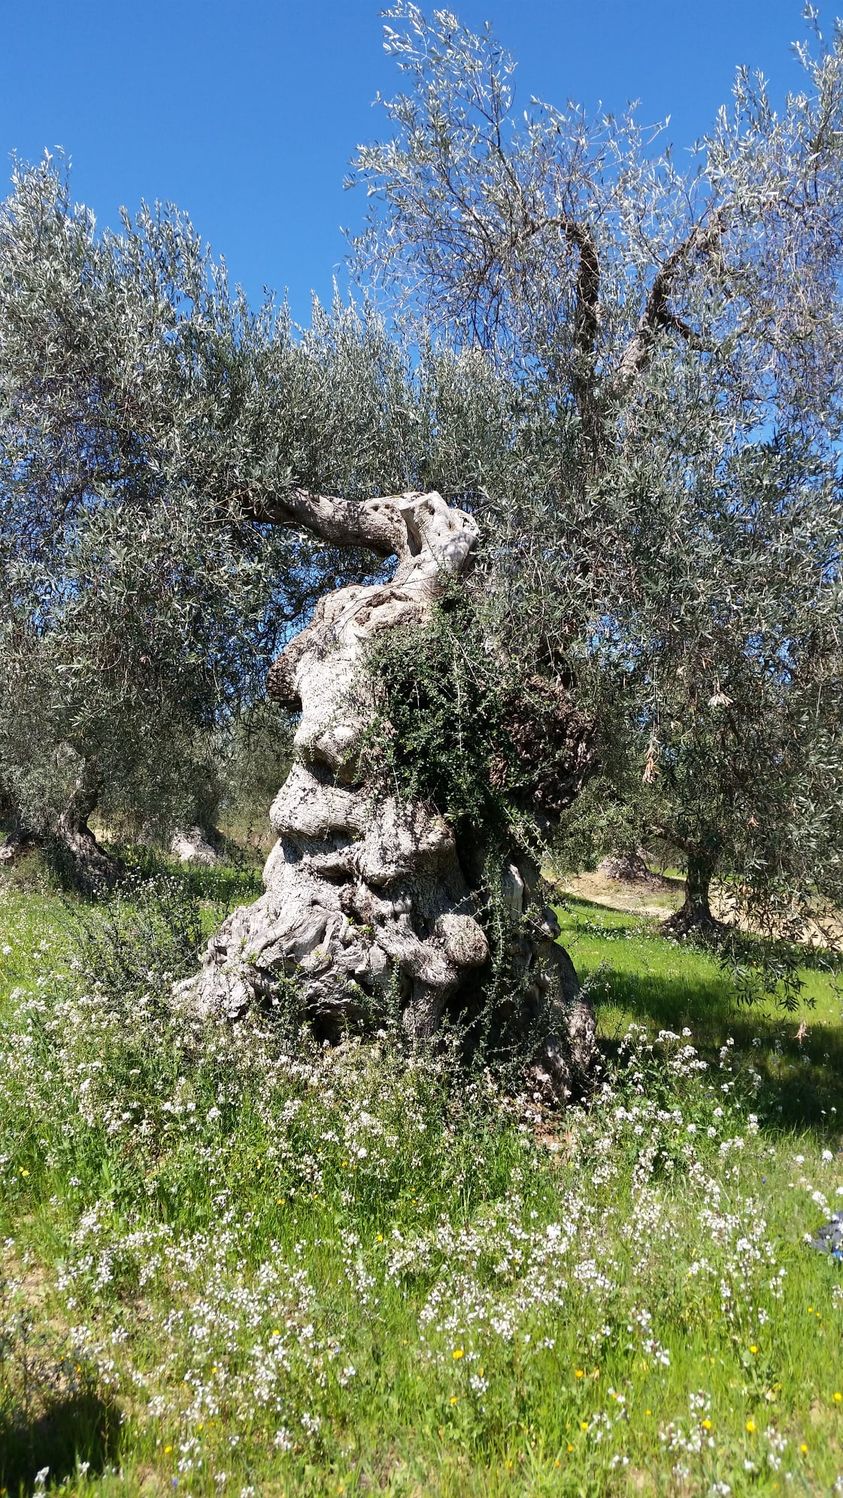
(369, 898)
(67, 840)
(73, 847)
(694, 915)
(629, 866)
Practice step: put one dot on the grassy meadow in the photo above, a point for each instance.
(234, 1263)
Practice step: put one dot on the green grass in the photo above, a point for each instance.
(634, 975)
(232, 1262)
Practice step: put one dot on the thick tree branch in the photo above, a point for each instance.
(587, 297)
(704, 239)
(430, 538)
(374, 524)
(585, 326)
(669, 835)
(588, 290)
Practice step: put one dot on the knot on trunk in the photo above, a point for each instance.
(553, 743)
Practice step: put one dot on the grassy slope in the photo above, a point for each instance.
(634, 975)
(229, 1269)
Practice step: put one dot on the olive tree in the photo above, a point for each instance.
(179, 477)
(676, 333)
(540, 491)
(144, 413)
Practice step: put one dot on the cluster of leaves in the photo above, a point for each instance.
(147, 418)
(460, 726)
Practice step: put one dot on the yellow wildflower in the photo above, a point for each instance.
(458, 1352)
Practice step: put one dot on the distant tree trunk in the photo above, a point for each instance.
(694, 915)
(629, 866)
(17, 840)
(369, 898)
(74, 849)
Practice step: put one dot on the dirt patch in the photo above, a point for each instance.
(632, 898)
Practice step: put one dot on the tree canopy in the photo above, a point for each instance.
(627, 370)
(154, 434)
(676, 333)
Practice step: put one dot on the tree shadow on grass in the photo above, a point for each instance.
(801, 1074)
(66, 1432)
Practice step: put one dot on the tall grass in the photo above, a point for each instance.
(254, 1266)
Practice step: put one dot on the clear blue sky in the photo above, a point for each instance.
(246, 114)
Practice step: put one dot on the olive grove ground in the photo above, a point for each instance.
(233, 1264)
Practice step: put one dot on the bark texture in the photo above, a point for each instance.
(190, 845)
(367, 896)
(74, 847)
(694, 916)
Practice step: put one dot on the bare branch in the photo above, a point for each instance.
(374, 524)
(704, 239)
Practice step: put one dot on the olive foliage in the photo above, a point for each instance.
(146, 415)
(667, 524)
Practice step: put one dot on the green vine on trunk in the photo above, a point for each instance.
(461, 726)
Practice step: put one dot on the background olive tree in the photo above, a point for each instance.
(672, 532)
(148, 421)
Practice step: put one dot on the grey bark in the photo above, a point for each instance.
(366, 895)
(14, 845)
(190, 845)
(695, 915)
(629, 866)
(74, 847)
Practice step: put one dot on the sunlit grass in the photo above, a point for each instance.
(634, 974)
(260, 1270)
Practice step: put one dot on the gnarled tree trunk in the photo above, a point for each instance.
(73, 845)
(66, 838)
(695, 916)
(368, 896)
(629, 866)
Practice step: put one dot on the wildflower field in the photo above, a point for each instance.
(232, 1263)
